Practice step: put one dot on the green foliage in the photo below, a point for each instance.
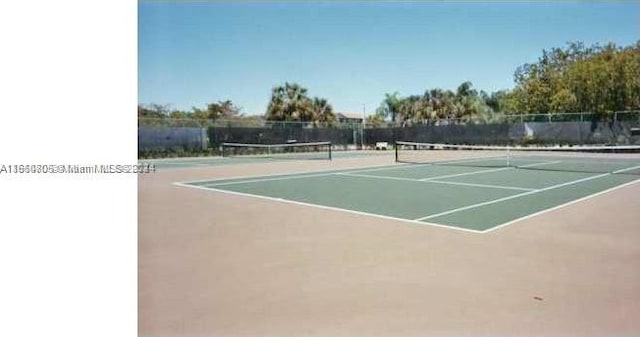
(220, 110)
(466, 105)
(376, 120)
(564, 101)
(322, 111)
(153, 111)
(291, 103)
(599, 79)
(177, 114)
(389, 106)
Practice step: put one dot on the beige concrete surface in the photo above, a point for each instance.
(213, 264)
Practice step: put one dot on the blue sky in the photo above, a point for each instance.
(190, 54)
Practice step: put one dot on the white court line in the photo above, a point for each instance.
(437, 182)
(328, 207)
(187, 184)
(491, 170)
(267, 179)
(349, 172)
(479, 185)
(253, 177)
(291, 176)
(540, 164)
(462, 174)
(315, 173)
(466, 173)
(561, 205)
(455, 161)
(455, 210)
(382, 168)
(281, 177)
(213, 180)
(627, 169)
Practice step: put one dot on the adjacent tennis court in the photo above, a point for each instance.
(200, 162)
(468, 190)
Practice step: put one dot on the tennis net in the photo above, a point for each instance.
(622, 159)
(316, 150)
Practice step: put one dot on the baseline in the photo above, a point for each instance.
(414, 222)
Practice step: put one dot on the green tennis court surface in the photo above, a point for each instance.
(468, 198)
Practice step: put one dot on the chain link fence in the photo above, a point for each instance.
(161, 137)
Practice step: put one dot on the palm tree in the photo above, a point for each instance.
(276, 108)
(322, 111)
(289, 103)
(390, 106)
(411, 109)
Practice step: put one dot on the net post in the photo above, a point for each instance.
(222, 150)
(395, 145)
(508, 156)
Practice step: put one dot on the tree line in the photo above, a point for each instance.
(596, 79)
(221, 109)
(464, 105)
(289, 103)
(599, 79)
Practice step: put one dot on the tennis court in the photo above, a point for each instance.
(468, 190)
(393, 246)
(203, 162)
